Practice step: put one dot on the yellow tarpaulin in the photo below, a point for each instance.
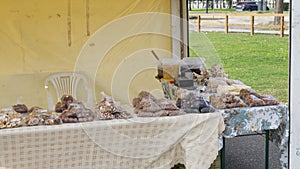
(108, 41)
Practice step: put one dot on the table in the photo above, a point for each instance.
(273, 119)
(243, 121)
(154, 143)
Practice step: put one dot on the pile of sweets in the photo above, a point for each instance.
(77, 112)
(246, 98)
(39, 116)
(146, 105)
(108, 109)
(73, 111)
(252, 98)
(195, 104)
(9, 118)
(226, 100)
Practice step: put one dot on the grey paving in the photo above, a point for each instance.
(248, 152)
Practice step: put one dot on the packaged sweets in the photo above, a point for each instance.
(20, 108)
(77, 112)
(146, 105)
(39, 116)
(10, 119)
(194, 64)
(64, 103)
(108, 109)
(170, 67)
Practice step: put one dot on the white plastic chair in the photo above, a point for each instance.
(66, 84)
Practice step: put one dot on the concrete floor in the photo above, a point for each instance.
(248, 152)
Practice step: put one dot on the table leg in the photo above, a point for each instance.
(267, 150)
(223, 155)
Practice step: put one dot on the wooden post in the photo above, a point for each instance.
(281, 26)
(226, 24)
(199, 23)
(252, 25)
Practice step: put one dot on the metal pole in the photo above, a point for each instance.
(223, 155)
(267, 150)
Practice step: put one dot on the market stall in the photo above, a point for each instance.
(111, 45)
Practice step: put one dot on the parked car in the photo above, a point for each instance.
(245, 6)
(248, 6)
(233, 5)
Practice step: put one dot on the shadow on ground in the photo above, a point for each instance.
(248, 152)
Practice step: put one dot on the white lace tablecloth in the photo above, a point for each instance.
(137, 143)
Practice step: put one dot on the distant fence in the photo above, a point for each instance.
(250, 25)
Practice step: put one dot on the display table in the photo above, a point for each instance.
(243, 121)
(158, 142)
(274, 119)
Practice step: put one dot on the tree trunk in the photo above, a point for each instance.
(279, 9)
(229, 4)
(190, 5)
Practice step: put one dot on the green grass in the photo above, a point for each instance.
(260, 61)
